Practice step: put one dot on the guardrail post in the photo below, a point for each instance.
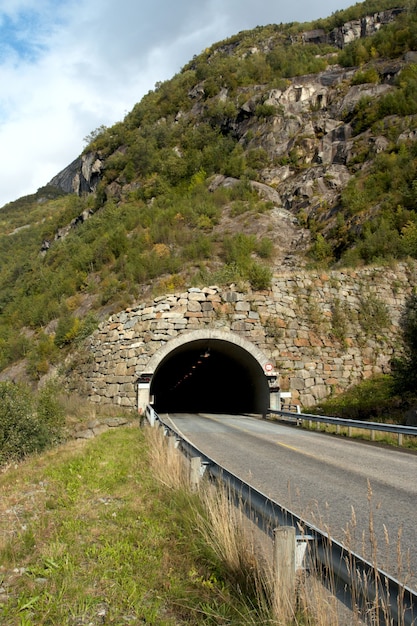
(150, 414)
(400, 439)
(173, 441)
(195, 472)
(284, 573)
(301, 554)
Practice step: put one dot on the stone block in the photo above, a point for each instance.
(115, 422)
(180, 325)
(331, 381)
(111, 390)
(301, 343)
(315, 340)
(120, 369)
(130, 402)
(130, 323)
(297, 383)
(231, 296)
(194, 306)
(176, 312)
(127, 388)
(163, 306)
(196, 297)
(98, 430)
(84, 434)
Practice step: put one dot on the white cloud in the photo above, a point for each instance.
(68, 66)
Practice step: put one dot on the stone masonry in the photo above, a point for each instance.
(322, 331)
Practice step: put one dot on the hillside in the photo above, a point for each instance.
(282, 147)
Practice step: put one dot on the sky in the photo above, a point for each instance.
(70, 66)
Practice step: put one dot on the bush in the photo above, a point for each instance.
(25, 428)
(265, 248)
(50, 410)
(370, 75)
(260, 276)
(370, 400)
(71, 329)
(42, 353)
(373, 315)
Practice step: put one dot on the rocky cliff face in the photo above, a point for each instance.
(350, 31)
(81, 176)
(309, 146)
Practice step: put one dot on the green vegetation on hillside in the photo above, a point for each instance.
(390, 184)
(154, 223)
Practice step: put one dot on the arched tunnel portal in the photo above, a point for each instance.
(210, 374)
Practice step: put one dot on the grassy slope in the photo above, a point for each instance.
(88, 536)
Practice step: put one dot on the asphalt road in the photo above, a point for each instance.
(364, 495)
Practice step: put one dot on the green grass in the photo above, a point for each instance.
(88, 535)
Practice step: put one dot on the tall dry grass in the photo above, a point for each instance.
(244, 551)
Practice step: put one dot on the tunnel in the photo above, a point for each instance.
(209, 375)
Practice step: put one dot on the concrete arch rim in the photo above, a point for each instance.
(195, 335)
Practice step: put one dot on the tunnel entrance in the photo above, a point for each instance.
(209, 375)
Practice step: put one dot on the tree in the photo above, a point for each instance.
(94, 134)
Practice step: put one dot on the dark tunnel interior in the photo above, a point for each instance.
(212, 376)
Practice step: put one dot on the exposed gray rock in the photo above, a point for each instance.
(355, 29)
(80, 176)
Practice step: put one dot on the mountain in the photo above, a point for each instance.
(286, 146)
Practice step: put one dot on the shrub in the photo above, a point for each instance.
(265, 248)
(264, 110)
(41, 354)
(23, 429)
(339, 321)
(50, 410)
(370, 400)
(373, 315)
(67, 329)
(409, 239)
(321, 250)
(259, 276)
(370, 75)
(72, 329)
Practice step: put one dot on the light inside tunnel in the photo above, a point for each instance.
(213, 376)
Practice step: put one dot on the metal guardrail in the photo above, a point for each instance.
(355, 581)
(349, 423)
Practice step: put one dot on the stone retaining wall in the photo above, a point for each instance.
(96, 427)
(323, 331)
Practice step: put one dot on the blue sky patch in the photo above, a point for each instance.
(23, 37)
